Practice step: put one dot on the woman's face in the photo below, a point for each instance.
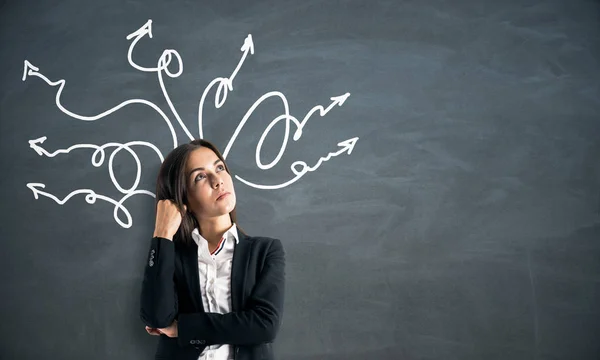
(210, 188)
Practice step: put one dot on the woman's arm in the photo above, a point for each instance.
(158, 303)
(258, 323)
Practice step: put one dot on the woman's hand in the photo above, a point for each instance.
(170, 331)
(168, 219)
(152, 331)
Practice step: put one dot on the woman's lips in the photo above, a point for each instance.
(222, 196)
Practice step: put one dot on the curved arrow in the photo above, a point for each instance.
(91, 198)
(137, 35)
(163, 65)
(99, 151)
(34, 144)
(346, 146)
(225, 84)
(30, 70)
(336, 100)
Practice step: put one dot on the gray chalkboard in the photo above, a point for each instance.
(441, 201)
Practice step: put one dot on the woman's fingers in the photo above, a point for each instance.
(168, 218)
(152, 331)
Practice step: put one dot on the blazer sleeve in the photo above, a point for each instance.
(258, 323)
(158, 301)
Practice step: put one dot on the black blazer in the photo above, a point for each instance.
(171, 290)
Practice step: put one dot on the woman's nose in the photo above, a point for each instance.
(218, 181)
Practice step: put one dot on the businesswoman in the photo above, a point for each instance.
(209, 290)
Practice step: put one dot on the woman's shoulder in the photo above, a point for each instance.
(258, 239)
(262, 241)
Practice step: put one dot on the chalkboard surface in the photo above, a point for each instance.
(431, 167)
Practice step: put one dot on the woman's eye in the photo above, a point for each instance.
(220, 167)
(200, 177)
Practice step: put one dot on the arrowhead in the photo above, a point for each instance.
(339, 100)
(145, 29)
(34, 187)
(348, 145)
(26, 68)
(248, 44)
(34, 145)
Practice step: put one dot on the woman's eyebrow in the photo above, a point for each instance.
(201, 168)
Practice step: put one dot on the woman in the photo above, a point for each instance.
(209, 290)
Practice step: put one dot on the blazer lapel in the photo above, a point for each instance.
(192, 275)
(241, 256)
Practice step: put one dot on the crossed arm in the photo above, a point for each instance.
(257, 323)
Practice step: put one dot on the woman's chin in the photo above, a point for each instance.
(226, 206)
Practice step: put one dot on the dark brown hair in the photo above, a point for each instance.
(171, 183)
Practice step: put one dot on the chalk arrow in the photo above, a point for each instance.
(91, 198)
(28, 69)
(347, 145)
(31, 70)
(146, 29)
(300, 168)
(248, 45)
(34, 188)
(34, 145)
(336, 100)
(99, 150)
(136, 36)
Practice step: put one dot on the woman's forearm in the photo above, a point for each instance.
(158, 300)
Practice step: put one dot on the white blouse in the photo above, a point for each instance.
(215, 283)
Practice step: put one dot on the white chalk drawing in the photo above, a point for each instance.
(223, 86)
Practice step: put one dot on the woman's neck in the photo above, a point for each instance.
(212, 229)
